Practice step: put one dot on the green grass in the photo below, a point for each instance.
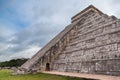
(6, 75)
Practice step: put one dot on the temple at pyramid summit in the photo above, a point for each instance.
(90, 44)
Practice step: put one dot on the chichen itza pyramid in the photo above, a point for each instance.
(90, 44)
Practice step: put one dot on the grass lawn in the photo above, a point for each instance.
(6, 75)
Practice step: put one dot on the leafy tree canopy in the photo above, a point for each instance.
(13, 62)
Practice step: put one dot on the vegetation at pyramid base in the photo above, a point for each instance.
(13, 62)
(6, 75)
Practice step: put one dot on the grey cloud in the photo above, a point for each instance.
(36, 35)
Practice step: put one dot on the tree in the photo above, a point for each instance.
(13, 63)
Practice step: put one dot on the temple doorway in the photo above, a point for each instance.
(47, 67)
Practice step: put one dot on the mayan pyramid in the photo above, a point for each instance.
(90, 44)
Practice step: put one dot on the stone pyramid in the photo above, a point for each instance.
(90, 44)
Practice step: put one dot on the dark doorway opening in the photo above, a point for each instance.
(47, 67)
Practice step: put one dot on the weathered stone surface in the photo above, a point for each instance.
(90, 44)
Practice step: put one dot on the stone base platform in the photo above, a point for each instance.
(80, 75)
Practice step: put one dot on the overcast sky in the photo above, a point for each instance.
(27, 25)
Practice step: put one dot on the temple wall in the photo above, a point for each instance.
(94, 49)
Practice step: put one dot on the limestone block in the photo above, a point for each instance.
(82, 37)
(107, 27)
(101, 22)
(90, 45)
(80, 44)
(118, 45)
(101, 49)
(113, 47)
(103, 37)
(90, 35)
(98, 18)
(114, 25)
(98, 66)
(115, 37)
(62, 56)
(118, 23)
(98, 31)
(84, 68)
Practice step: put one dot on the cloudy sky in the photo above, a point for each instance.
(27, 25)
